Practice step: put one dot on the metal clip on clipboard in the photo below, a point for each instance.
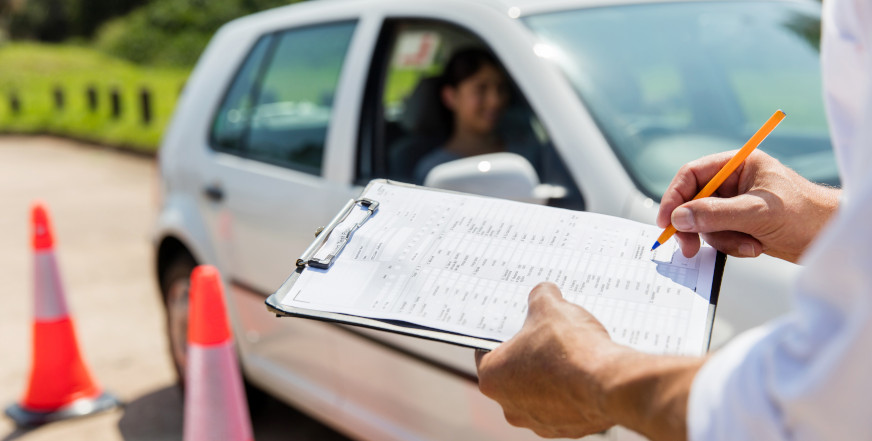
(309, 258)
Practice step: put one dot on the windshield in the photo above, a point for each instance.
(671, 82)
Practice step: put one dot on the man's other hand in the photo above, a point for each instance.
(546, 377)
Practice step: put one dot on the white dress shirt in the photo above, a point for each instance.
(808, 376)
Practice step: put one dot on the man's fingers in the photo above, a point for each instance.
(479, 356)
(742, 213)
(490, 368)
(734, 243)
(689, 180)
(689, 243)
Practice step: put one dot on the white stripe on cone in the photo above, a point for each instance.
(49, 299)
(215, 406)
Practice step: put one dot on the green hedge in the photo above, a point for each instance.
(33, 71)
(173, 32)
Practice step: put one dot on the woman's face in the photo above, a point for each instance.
(478, 101)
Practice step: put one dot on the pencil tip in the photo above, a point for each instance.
(656, 244)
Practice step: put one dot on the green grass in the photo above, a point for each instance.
(32, 71)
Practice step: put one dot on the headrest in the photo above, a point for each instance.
(424, 113)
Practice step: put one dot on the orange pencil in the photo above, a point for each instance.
(729, 168)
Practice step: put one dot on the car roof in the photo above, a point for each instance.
(518, 8)
(527, 7)
(512, 8)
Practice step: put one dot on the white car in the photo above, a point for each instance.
(291, 111)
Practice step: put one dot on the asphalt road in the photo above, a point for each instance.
(102, 204)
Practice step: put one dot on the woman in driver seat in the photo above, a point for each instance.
(475, 92)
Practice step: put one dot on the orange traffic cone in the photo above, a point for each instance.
(215, 406)
(60, 384)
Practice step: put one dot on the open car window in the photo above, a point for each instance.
(405, 120)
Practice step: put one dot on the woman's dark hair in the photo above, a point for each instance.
(462, 65)
(465, 63)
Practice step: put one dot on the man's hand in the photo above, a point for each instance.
(547, 376)
(764, 207)
(562, 376)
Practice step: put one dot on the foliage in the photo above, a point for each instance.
(164, 37)
(58, 20)
(40, 68)
(173, 32)
(154, 32)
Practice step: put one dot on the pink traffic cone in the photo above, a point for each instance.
(215, 406)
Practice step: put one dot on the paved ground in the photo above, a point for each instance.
(103, 205)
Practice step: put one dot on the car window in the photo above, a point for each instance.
(406, 122)
(282, 118)
(669, 83)
(231, 122)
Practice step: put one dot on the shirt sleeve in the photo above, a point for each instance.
(807, 376)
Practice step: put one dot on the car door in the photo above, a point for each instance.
(265, 193)
(412, 388)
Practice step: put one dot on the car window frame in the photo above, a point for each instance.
(370, 123)
(275, 37)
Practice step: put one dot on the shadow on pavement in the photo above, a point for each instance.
(159, 416)
(275, 420)
(17, 433)
(154, 416)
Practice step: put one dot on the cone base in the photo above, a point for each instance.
(24, 417)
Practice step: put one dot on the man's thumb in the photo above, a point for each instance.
(713, 214)
(542, 298)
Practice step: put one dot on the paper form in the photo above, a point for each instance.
(466, 264)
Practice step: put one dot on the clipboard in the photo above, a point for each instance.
(310, 258)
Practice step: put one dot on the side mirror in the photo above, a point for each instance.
(500, 175)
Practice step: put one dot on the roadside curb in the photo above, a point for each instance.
(86, 143)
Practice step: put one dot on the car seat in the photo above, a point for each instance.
(425, 122)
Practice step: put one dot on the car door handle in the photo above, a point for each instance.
(214, 192)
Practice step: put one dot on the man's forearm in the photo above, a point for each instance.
(649, 393)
